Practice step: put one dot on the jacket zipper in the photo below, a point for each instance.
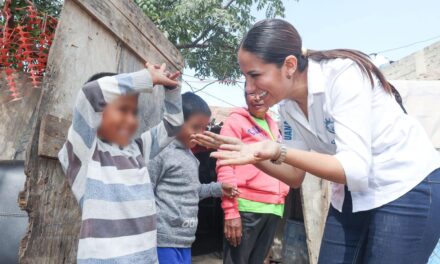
(269, 137)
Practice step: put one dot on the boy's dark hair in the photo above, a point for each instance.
(99, 75)
(194, 104)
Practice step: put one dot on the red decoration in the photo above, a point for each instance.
(24, 44)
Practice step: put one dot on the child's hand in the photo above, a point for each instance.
(160, 76)
(229, 190)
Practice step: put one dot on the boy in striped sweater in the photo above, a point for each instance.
(106, 167)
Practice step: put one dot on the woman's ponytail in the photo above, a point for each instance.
(360, 58)
(272, 40)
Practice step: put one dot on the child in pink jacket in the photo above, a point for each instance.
(251, 220)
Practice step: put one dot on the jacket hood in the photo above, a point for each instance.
(243, 111)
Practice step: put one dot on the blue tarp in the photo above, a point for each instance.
(435, 257)
(13, 221)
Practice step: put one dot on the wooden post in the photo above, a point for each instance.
(92, 36)
(17, 118)
(315, 198)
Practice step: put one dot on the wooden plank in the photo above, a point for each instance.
(53, 133)
(17, 117)
(82, 46)
(125, 20)
(147, 28)
(315, 198)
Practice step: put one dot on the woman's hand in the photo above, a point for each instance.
(247, 153)
(160, 76)
(229, 190)
(234, 152)
(214, 141)
(233, 231)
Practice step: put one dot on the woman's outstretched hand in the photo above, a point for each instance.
(233, 152)
(247, 153)
(214, 141)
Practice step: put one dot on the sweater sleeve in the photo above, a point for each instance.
(226, 174)
(87, 114)
(159, 136)
(212, 189)
(156, 170)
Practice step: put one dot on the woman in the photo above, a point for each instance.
(386, 181)
(252, 219)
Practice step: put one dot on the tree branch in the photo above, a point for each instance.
(191, 45)
(195, 44)
(228, 4)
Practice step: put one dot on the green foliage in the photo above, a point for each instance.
(208, 32)
(49, 7)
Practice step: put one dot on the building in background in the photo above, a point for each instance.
(421, 65)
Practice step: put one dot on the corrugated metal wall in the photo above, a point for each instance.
(13, 221)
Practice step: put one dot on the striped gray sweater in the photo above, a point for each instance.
(111, 184)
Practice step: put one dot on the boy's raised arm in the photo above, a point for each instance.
(158, 137)
(87, 113)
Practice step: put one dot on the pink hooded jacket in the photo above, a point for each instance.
(252, 183)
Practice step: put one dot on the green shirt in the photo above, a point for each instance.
(264, 125)
(249, 206)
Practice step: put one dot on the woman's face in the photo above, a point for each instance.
(265, 79)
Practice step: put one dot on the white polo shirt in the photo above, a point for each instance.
(384, 152)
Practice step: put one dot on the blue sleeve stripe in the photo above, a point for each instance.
(125, 83)
(147, 256)
(80, 125)
(99, 190)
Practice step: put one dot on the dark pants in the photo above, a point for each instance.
(258, 234)
(403, 231)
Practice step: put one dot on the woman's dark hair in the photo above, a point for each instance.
(272, 40)
(194, 104)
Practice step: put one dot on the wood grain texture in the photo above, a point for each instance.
(149, 30)
(53, 134)
(315, 198)
(127, 22)
(82, 46)
(17, 118)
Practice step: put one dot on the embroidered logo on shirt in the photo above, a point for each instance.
(287, 131)
(330, 125)
(254, 130)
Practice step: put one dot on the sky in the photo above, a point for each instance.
(370, 26)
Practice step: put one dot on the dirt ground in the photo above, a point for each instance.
(213, 258)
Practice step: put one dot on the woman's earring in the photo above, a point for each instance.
(289, 76)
